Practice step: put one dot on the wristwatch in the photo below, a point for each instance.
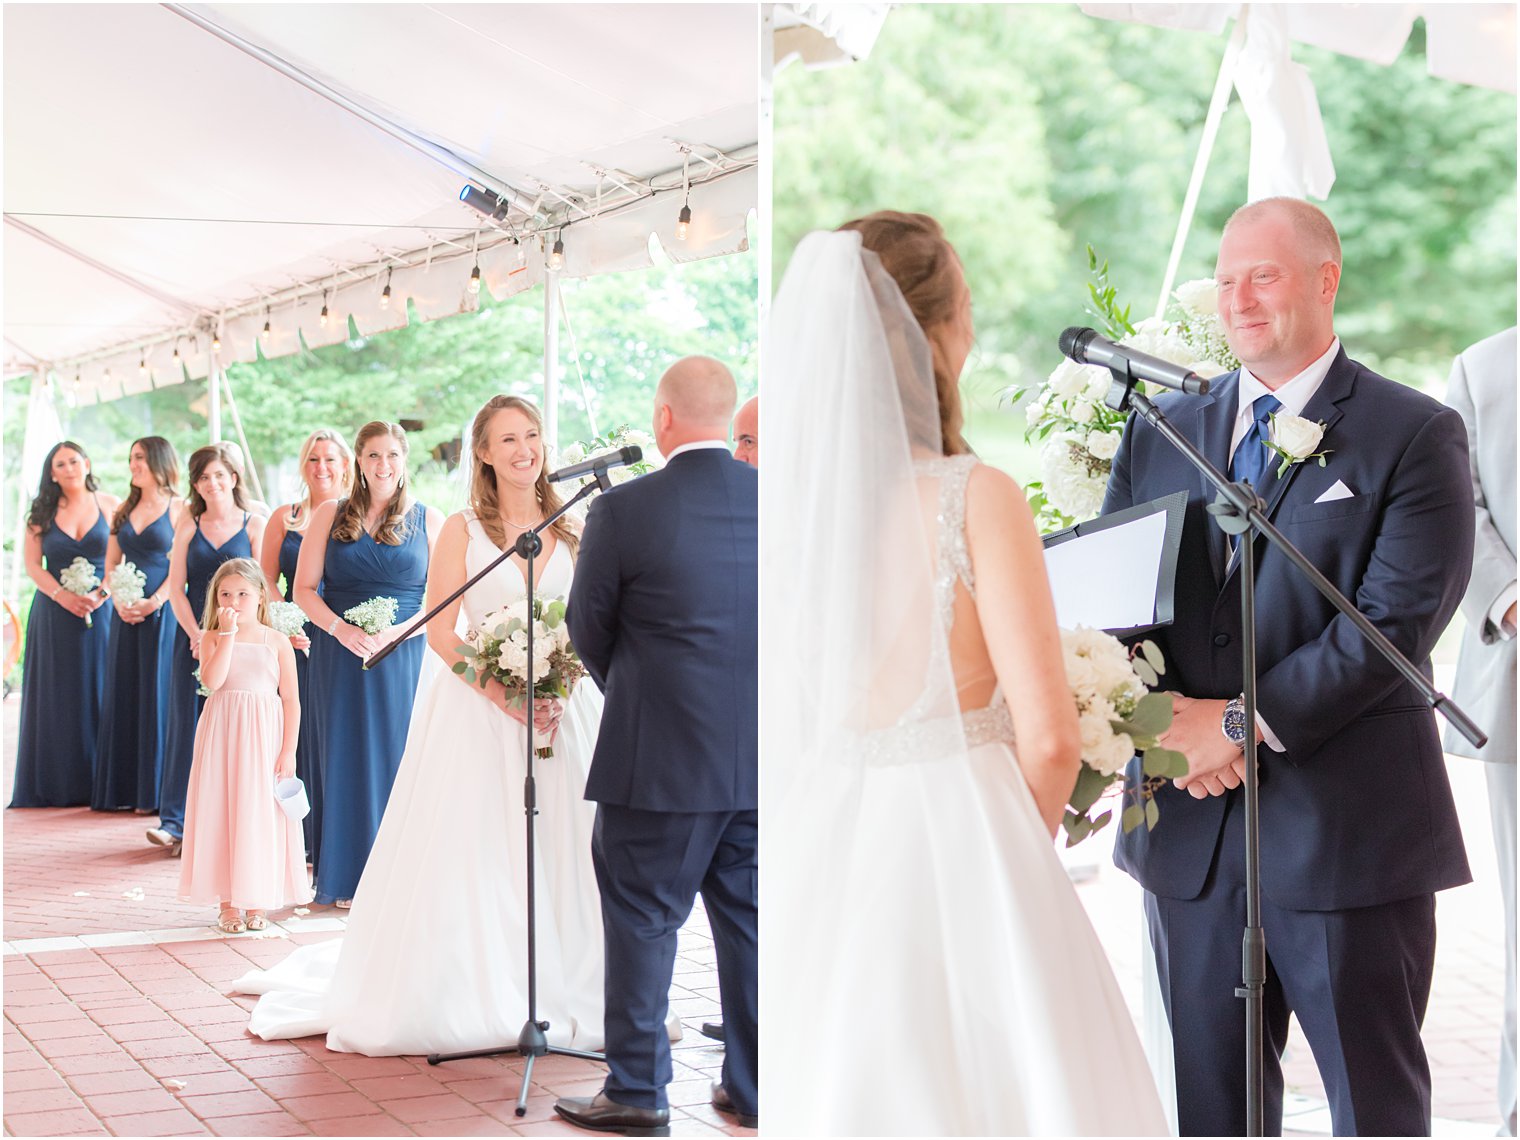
(1233, 722)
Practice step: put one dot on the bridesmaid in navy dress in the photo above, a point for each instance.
(136, 714)
(327, 470)
(63, 678)
(217, 525)
(375, 543)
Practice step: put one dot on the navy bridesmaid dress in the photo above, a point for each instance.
(136, 716)
(361, 716)
(62, 683)
(201, 561)
(307, 769)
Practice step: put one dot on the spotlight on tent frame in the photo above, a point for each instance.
(492, 206)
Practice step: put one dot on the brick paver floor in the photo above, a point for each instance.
(117, 1019)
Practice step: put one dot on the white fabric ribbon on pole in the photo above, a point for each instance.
(1290, 156)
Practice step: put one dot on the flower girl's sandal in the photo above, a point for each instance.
(230, 922)
(257, 921)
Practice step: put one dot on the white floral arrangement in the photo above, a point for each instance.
(498, 648)
(1081, 434)
(1119, 716)
(126, 583)
(287, 618)
(79, 577)
(201, 688)
(619, 437)
(374, 616)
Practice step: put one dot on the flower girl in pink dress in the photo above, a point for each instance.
(241, 850)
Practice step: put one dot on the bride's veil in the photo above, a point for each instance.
(852, 640)
(859, 701)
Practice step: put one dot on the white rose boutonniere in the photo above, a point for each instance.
(1294, 440)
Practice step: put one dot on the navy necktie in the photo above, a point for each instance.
(1252, 459)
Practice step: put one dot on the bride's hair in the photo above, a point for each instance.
(483, 498)
(914, 252)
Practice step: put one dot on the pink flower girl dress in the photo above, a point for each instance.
(240, 848)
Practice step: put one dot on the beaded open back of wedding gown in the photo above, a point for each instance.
(435, 955)
(948, 981)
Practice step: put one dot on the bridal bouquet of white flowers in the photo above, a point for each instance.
(1081, 433)
(79, 577)
(289, 619)
(374, 616)
(498, 647)
(126, 582)
(1119, 717)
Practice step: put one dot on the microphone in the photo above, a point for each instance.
(1086, 347)
(595, 465)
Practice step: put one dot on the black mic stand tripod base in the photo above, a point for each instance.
(532, 1042)
(1241, 514)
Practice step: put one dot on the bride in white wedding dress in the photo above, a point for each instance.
(434, 957)
(928, 967)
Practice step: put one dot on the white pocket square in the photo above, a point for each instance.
(1339, 491)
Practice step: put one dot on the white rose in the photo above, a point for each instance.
(1102, 444)
(1201, 297)
(1069, 485)
(1160, 339)
(1034, 412)
(1115, 755)
(1071, 379)
(1098, 384)
(1297, 436)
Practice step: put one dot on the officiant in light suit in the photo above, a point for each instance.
(1482, 390)
(1358, 826)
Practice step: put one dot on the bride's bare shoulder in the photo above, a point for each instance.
(993, 497)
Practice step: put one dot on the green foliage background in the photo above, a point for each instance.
(1031, 130)
(628, 328)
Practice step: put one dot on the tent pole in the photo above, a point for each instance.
(213, 394)
(551, 358)
(1224, 83)
(251, 468)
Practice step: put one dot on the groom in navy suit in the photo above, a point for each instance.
(663, 611)
(1358, 827)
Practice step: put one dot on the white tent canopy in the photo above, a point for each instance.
(202, 171)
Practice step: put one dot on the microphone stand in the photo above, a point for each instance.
(1238, 511)
(531, 1040)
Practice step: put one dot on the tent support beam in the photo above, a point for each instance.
(1224, 83)
(551, 358)
(444, 157)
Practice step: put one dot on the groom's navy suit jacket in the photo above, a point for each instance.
(1357, 810)
(664, 614)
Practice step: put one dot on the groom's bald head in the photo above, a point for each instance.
(694, 401)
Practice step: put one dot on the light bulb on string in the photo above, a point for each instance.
(267, 331)
(176, 352)
(557, 254)
(683, 223)
(324, 318)
(474, 285)
(142, 367)
(216, 342)
(385, 294)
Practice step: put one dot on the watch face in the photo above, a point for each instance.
(1234, 725)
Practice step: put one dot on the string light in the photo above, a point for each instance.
(385, 294)
(176, 352)
(683, 220)
(475, 280)
(324, 318)
(142, 367)
(683, 223)
(557, 254)
(267, 330)
(216, 342)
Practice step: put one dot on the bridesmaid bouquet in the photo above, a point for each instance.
(126, 583)
(79, 577)
(374, 616)
(287, 618)
(1119, 716)
(498, 648)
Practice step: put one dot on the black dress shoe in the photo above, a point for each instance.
(722, 1102)
(713, 1029)
(602, 1114)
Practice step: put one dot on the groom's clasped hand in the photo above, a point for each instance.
(1215, 765)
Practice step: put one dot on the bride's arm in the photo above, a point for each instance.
(1019, 624)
